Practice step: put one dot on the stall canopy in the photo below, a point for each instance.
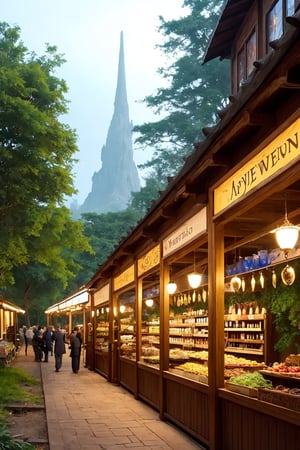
(7, 306)
(74, 302)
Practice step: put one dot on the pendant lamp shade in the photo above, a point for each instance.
(287, 235)
(171, 287)
(149, 302)
(194, 279)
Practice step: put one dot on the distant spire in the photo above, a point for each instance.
(118, 177)
(121, 94)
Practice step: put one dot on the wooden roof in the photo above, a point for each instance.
(234, 13)
(251, 117)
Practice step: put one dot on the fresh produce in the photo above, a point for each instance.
(285, 369)
(293, 391)
(197, 369)
(253, 380)
(232, 360)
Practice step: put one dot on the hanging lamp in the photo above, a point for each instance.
(171, 286)
(286, 234)
(149, 302)
(194, 278)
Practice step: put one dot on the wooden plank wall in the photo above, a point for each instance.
(187, 406)
(149, 386)
(102, 363)
(128, 375)
(246, 429)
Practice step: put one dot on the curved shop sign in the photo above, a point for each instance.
(277, 155)
(191, 229)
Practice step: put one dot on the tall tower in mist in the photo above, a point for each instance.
(118, 177)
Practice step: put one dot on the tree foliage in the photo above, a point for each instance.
(105, 232)
(51, 264)
(38, 237)
(36, 149)
(192, 93)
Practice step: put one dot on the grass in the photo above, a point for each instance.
(14, 385)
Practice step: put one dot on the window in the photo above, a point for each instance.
(241, 67)
(276, 18)
(102, 328)
(150, 329)
(127, 324)
(251, 52)
(246, 58)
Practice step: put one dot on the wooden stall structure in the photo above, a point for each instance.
(172, 339)
(73, 310)
(9, 338)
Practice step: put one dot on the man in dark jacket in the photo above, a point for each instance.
(75, 344)
(47, 341)
(59, 347)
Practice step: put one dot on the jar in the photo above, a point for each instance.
(263, 256)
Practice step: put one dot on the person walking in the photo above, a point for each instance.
(28, 335)
(47, 343)
(75, 344)
(59, 347)
(36, 343)
(25, 339)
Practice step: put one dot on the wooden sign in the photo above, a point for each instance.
(276, 156)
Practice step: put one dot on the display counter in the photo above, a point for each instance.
(186, 404)
(149, 384)
(101, 346)
(127, 374)
(249, 423)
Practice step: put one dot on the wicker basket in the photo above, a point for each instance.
(293, 360)
(279, 398)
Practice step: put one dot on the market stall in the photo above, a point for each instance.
(201, 293)
(73, 310)
(9, 340)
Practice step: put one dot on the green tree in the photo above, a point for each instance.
(105, 232)
(142, 200)
(51, 264)
(36, 149)
(192, 94)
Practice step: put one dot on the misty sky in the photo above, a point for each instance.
(87, 33)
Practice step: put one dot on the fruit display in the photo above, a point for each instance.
(281, 396)
(235, 361)
(176, 354)
(154, 359)
(201, 355)
(292, 391)
(283, 369)
(194, 368)
(252, 380)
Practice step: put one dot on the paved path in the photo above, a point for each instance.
(85, 412)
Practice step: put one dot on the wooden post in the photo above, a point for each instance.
(216, 324)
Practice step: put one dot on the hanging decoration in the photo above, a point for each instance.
(235, 284)
(288, 275)
(253, 283)
(261, 280)
(274, 279)
(243, 284)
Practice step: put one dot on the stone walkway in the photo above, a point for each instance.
(85, 412)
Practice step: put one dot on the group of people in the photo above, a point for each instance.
(46, 340)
